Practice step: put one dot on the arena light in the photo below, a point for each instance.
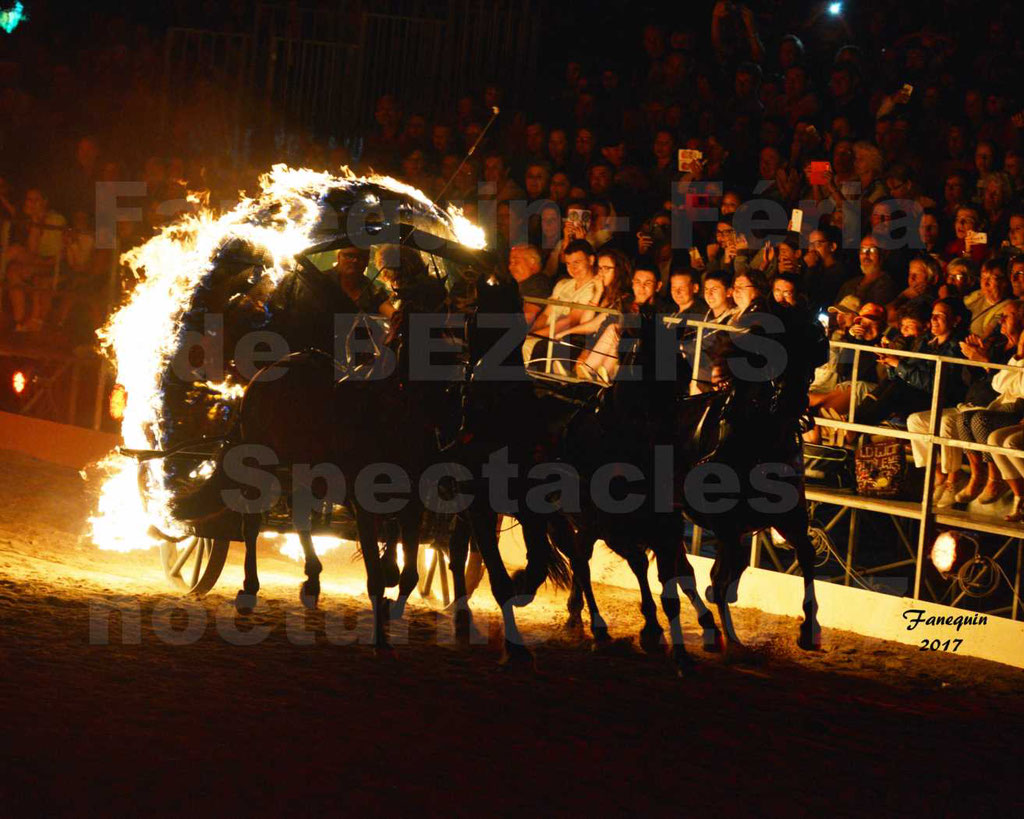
(9, 18)
(944, 552)
(957, 556)
(835, 9)
(19, 381)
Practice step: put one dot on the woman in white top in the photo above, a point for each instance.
(1011, 383)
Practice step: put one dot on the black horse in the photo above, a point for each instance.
(327, 427)
(748, 433)
(505, 422)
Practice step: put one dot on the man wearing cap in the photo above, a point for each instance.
(844, 312)
(873, 284)
(866, 328)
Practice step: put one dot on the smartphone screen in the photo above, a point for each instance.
(796, 222)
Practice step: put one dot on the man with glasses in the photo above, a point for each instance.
(873, 284)
(825, 273)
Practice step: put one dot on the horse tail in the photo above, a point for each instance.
(206, 500)
(558, 569)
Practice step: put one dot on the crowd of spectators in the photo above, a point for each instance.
(869, 169)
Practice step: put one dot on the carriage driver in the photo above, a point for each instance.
(368, 295)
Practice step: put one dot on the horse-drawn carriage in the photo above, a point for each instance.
(246, 291)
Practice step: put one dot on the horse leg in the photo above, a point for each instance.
(309, 592)
(458, 551)
(568, 543)
(666, 558)
(526, 581)
(794, 530)
(688, 584)
(389, 559)
(374, 578)
(245, 600)
(651, 634)
(581, 569)
(409, 520)
(482, 520)
(725, 579)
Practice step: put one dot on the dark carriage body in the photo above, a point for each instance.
(238, 297)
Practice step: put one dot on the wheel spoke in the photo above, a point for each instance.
(176, 571)
(199, 563)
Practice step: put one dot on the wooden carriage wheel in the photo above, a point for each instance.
(194, 563)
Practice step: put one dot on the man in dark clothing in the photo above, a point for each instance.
(873, 284)
(524, 263)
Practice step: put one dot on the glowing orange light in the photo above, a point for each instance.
(19, 382)
(944, 552)
(118, 401)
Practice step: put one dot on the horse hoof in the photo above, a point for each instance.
(651, 639)
(309, 595)
(686, 666)
(397, 609)
(516, 657)
(463, 623)
(391, 575)
(714, 641)
(601, 635)
(574, 623)
(385, 652)
(245, 602)
(810, 637)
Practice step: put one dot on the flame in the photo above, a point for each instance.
(143, 335)
(288, 544)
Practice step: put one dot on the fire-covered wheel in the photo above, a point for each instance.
(195, 563)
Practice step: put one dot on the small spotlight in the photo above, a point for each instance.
(117, 403)
(835, 9)
(19, 382)
(943, 553)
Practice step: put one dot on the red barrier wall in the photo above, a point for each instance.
(62, 444)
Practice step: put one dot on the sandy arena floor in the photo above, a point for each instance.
(295, 723)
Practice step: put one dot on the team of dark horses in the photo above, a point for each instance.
(645, 438)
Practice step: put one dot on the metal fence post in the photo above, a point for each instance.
(925, 528)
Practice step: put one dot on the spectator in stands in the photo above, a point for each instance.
(524, 263)
(786, 290)
(750, 291)
(996, 195)
(559, 188)
(684, 292)
(537, 178)
(866, 328)
(602, 330)
(498, 184)
(929, 231)
(986, 303)
(873, 284)
(582, 288)
(909, 385)
(955, 193)
(824, 273)
(969, 229)
(1011, 469)
(1017, 276)
(32, 262)
(923, 274)
(985, 409)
